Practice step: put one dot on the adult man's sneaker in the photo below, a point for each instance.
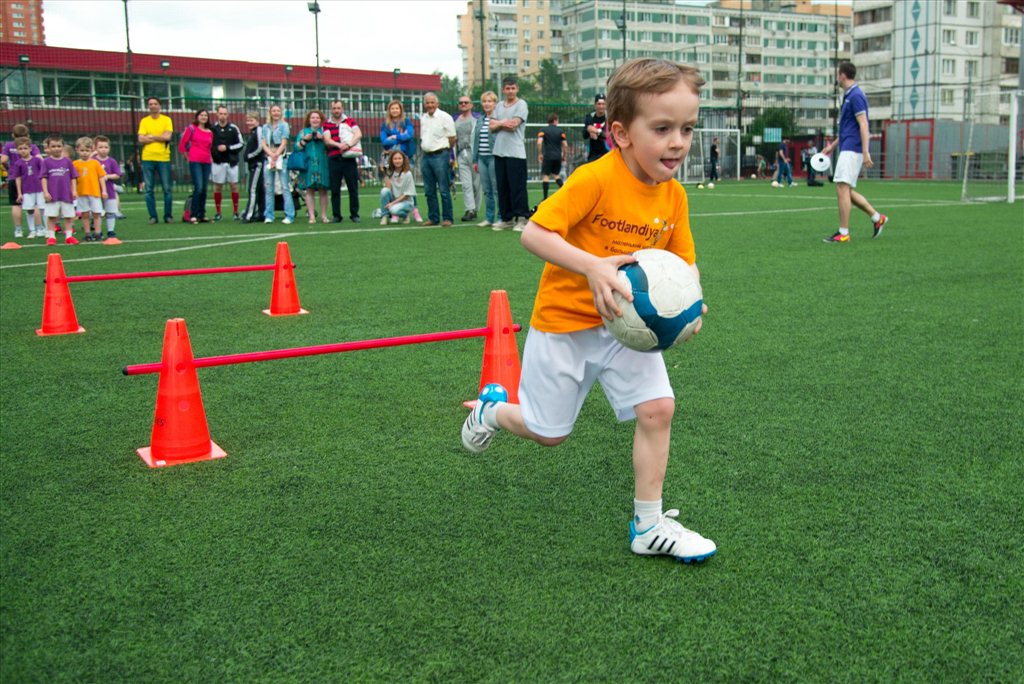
(502, 225)
(50, 242)
(837, 238)
(216, 217)
(269, 220)
(669, 538)
(287, 221)
(879, 225)
(152, 221)
(520, 225)
(168, 219)
(469, 216)
(483, 224)
(475, 435)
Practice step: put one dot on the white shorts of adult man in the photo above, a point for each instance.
(224, 173)
(848, 168)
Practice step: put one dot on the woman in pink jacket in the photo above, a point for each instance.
(196, 142)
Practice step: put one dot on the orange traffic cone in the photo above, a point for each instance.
(180, 434)
(58, 309)
(501, 353)
(10, 245)
(284, 299)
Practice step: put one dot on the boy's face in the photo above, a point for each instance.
(658, 140)
(251, 122)
(103, 149)
(55, 148)
(24, 151)
(84, 151)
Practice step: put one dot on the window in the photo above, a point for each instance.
(948, 67)
(947, 96)
(526, 63)
(1011, 36)
(526, 18)
(17, 15)
(1011, 65)
(973, 9)
(971, 68)
(19, 34)
(526, 34)
(540, 49)
(18, 24)
(540, 19)
(949, 8)
(971, 38)
(948, 36)
(540, 34)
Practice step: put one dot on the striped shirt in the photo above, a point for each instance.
(484, 141)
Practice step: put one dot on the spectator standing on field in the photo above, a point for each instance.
(509, 148)
(227, 146)
(594, 130)
(437, 137)
(254, 158)
(465, 124)
(274, 138)
(713, 171)
(853, 142)
(155, 133)
(483, 158)
(551, 151)
(316, 179)
(785, 169)
(197, 143)
(343, 152)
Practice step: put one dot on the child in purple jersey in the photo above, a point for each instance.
(8, 154)
(113, 174)
(27, 174)
(59, 191)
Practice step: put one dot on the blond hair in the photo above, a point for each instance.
(84, 141)
(489, 93)
(645, 76)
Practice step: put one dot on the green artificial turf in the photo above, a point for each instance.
(849, 431)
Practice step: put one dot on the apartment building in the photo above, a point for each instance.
(21, 22)
(500, 37)
(923, 59)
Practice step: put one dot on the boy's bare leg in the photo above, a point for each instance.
(510, 418)
(650, 447)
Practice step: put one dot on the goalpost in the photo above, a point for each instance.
(991, 168)
(697, 167)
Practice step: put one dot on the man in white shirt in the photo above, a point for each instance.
(437, 138)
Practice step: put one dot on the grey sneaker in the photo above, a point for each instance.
(501, 225)
(520, 225)
(476, 436)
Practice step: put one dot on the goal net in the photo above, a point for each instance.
(990, 169)
(697, 167)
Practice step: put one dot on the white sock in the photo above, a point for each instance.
(844, 231)
(646, 514)
(111, 220)
(875, 217)
(68, 233)
(489, 415)
(31, 220)
(51, 233)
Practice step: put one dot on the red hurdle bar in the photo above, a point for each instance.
(161, 274)
(252, 357)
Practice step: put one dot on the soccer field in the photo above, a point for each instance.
(849, 431)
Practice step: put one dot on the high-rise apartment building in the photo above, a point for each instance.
(501, 37)
(21, 22)
(754, 54)
(923, 59)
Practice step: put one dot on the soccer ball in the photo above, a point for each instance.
(666, 306)
(700, 186)
(775, 184)
(753, 176)
(711, 186)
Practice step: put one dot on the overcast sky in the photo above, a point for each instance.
(416, 36)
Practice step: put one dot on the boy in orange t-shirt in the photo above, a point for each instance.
(625, 201)
(92, 190)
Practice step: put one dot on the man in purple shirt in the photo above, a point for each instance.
(58, 191)
(853, 141)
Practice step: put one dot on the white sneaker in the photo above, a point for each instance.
(669, 538)
(384, 221)
(18, 233)
(520, 225)
(475, 435)
(268, 220)
(287, 221)
(483, 224)
(501, 225)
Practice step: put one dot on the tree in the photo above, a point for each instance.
(451, 88)
(549, 82)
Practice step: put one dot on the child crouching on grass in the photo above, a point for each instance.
(397, 198)
(652, 111)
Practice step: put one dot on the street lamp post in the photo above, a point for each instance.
(23, 60)
(131, 99)
(620, 24)
(314, 8)
(395, 74)
(288, 68)
(479, 16)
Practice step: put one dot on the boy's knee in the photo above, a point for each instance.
(550, 441)
(656, 413)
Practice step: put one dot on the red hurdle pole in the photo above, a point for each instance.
(252, 357)
(161, 274)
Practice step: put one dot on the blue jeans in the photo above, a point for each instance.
(437, 175)
(489, 183)
(149, 168)
(402, 209)
(785, 173)
(200, 181)
(269, 182)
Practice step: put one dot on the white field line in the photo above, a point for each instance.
(249, 237)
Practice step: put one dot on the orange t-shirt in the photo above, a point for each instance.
(89, 173)
(603, 209)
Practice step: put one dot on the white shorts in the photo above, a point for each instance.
(848, 168)
(110, 207)
(33, 200)
(224, 173)
(88, 203)
(60, 210)
(560, 368)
